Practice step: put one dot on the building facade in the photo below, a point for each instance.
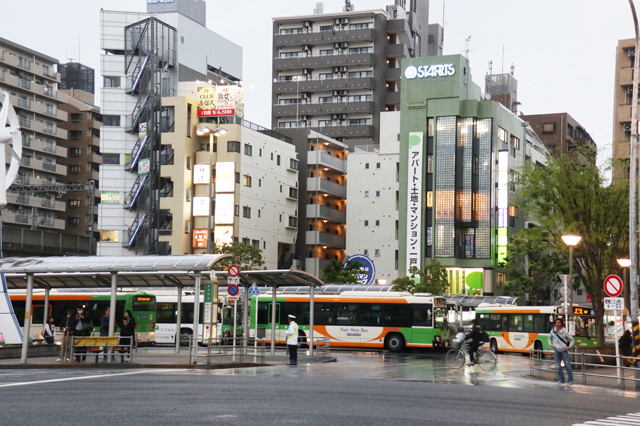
(74, 75)
(622, 100)
(458, 158)
(373, 193)
(335, 72)
(145, 56)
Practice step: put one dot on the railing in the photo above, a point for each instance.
(49, 166)
(323, 347)
(366, 148)
(24, 64)
(229, 349)
(584, 365)
(24, 103)
(25, 84)
(24, 122)
(249, 125)
(49, 130)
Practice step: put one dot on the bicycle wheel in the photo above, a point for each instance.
(455, 358)
(486, 360)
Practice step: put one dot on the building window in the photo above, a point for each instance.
(255, 243)
(366, 223)
(366, 252)
(293, 163)
(501, 279)
(73, 221)
(246, 241)
(278, 160)
(75, 117)
(514, 211)
(260, 183)
(549, 128)
(366, 194)
(353, 50)
(361, 26)
(259, 213)
(109, 236)
(247, 180)
(378, 194)
(188, 163)
(377, 222)
(110, 81)
(515, 142)
(248, 150)
(237, 210)
(74, 152)
(246, 212)
(324, 123)
(260, 152)
(326, 52)
(113, 159)
(377, 165)
(238, 177)
(233, 146)
(325, 100)
(502, 134)
(75, 169)
(111, 120)
(290, 54)
(293, 192)
(359, 98)
(359, 122)
(326, 28)
(366, 166)
(360, 74)
(376, 253)
(74, 203)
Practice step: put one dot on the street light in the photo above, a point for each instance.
(212, 132)
(571, 241)
(624, 264)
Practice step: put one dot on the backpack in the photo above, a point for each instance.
(485, 336)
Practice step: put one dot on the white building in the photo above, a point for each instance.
(372, 196)
(145, 55)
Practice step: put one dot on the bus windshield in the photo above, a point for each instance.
(144, 303)
(441, 318)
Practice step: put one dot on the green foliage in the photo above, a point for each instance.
(566, 197)
(336, 272)
(245, 256)
(432, 280)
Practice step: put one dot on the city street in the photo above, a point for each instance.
(362, 388)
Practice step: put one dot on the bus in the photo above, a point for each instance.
(167, 310)
(142, 306)
(526, 328)
(390, 320)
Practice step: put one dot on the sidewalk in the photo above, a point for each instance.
(163, 357)
(592, 377)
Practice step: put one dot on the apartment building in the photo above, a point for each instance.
(33, 221)
(83, 162)
(335, 72)
(145, 56)
(622, 100)
(74, 75)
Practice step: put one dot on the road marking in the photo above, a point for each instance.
(98, 376)
(631, 419)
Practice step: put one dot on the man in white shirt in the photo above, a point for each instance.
(292, 340)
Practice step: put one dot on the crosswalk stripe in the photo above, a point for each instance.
(630, 419)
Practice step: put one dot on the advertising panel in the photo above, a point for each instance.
(224, 214)
(110, 197)
(223, 235)
(200, 237)
(144, 165)
(221, 101)
(414, 201)
(225, 176)
(142, 130)
(201, 173)
(201, 206)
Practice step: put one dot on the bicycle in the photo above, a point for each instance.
(484, 358)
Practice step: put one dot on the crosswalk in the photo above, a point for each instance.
(622, 420)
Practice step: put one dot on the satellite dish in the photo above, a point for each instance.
(487, 96)
(11, 138)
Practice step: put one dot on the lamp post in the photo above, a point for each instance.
(624, 264)
(212, 132)
(571, 241)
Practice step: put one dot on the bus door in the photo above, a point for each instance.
(422, 331)
(264, 319)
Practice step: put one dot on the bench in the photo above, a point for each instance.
(83, 346)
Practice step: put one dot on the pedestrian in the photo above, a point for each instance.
(561, 341)
(79, 330)
(127, 333)
(104, 331)
(49, 332)
(626, 348)
(67, 326)
(292, 340)
(474, 338)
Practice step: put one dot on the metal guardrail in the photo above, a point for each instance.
(322, 347)
(582, 364)
(230, 349)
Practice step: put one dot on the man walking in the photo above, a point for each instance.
(104, 331)
(561, 341)
(292, 340)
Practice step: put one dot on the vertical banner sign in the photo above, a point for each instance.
(414, 200)
(142, 130)
(208, 292)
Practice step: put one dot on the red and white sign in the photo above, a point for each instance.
(234, 270)
(219, 112)
(613, 286)
(233, 290)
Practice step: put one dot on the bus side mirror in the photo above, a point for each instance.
(550, 318)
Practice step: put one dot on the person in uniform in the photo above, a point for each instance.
(292, 340)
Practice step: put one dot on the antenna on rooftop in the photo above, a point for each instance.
(466, 47)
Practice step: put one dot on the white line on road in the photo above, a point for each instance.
(98, 376)
(630, 419)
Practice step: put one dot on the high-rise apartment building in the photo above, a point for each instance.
(74, 75)
(622, 100)
(33, 222)
(335, 72)
(145, 56)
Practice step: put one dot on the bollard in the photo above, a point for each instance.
(584, 375)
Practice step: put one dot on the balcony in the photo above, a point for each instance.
(43, 242)
(322, 159)
(397, 51)
(39, 108)
(392, 98)
(324, 37)
(327, 61)
(626, 76)
(623, 113)
(316, 211)
(36, 145)
(324, 239)
(361, 131)
(322, 109)
(34, 68)
(96, 158)
(35, 164)
(392, 74)
(27, 219)
(326, 186)
(324, 85)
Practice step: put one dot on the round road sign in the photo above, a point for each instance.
(233, 290)
(613, 286)
(234, 270)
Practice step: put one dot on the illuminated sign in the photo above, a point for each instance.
(223, 235)
(201, 173)
(224, 214)
(159, 1)
(110, 197)
(503, 204)
(200, 237)
(221, 101)
(414, 200)
(225, 176)
(143, 299)
(424, 71)
(201, 206)
(582, 311)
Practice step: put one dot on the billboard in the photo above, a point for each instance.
(221, 101)
(144, 166)
(224, 214)
(110, 197)
(225, 176)
(223, 235)
(201, 206)
(200, 237)
(414, 201)
(201, 173)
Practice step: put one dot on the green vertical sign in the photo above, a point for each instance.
(208, 291)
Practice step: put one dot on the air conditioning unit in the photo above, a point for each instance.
(343, 69)
(626, 127)
(630, 90)
(343, 93)
(336, 70)
(303, 123)
(336, 21)
(335, 93)
(336, 45)
(334, 116)
(344, 21)
(305, 71)
(344, 45)
(306, 48)
(307, 117)
(631, 52)
(342, 116)
(304, 96)
(306, 24)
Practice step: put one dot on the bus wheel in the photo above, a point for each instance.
(185, 336)
(493, 346)
(394, 342)
(537, 347)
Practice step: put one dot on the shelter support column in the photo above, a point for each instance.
(178, 320)
(311, 311)
(273, 322)
(112, 308)
(245, 317)
(27, 319)
(196, 318)
(45, 314)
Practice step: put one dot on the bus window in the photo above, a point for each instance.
(504, 323)
(515, 323)
(263, 313)
(325, 314)
(144, 303)
(422, 315)
(347, 314)
(299, 309)
(528, 323)
(371, 314)
(541, 324)
(277, 313)
(38, 314)
(489, 322)
(397, 315)
(167, 313)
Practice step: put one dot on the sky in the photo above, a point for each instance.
(563, 51)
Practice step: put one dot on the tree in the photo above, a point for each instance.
(432, 280)
(566, 197)
(245, 256)
(336, 272)
(533, 262)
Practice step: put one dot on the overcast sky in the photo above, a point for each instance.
(563, 50)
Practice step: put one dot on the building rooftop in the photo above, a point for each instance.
(26, 49)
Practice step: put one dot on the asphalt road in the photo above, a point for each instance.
(359, 390)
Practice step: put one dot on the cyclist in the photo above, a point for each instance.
(474, 339)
